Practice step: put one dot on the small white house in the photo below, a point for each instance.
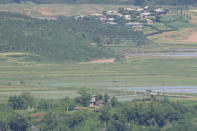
(111, 23)
(129, 9)
(97, 15)
(79, 16)
(149, 21)
(135, 24)
(159, 10)
(145, 14)
(110, 19)
(127, 17)
(139, 9)
(146, 7)
(112, 12)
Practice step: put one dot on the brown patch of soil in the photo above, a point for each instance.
(37, 114)
(192, 37)
(111, 60)
(185, 35)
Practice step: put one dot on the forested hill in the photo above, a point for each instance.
(136, 2)
(64, 39)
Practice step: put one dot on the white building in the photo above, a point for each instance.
(112, 12)
(127, 17)
(146, 7)
(110, 19)
(159, 10)
(135, 24)
(111, 23)
(139, 9)
(149, 21)
(129, 9)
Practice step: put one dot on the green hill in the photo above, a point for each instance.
(52, 40)
(64, 39)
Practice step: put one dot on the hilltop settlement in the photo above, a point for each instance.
(134, 17)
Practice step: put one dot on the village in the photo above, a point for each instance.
(133, 17)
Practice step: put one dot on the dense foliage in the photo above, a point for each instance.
(153, 114)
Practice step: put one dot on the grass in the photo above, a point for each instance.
(45, 10)
(59, 80)
(54, 80)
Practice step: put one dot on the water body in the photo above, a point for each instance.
(166, 89)
(176, 54)
(170, 54)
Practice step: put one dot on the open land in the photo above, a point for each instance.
(142, 67)
(51, 11)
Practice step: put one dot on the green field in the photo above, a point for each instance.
(60, 80)
(53, 10)
(19, 72)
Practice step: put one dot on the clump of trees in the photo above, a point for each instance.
(22, 101)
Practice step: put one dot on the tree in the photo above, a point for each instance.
(22, 101)
(28, 99)
(43, 104)
(104, 116)
(106, 98)
(113, 101)
(18, 123)
(116, 125)
(49, 122)
(84, 99)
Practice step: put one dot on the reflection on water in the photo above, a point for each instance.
(170, 54)
(167, 89)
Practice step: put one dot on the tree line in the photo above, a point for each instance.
(150, 114)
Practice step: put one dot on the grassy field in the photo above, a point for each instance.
(52, 10)
(60, 80)
(54, 80)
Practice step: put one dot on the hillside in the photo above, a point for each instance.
(65, 39)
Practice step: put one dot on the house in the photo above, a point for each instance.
(146, 7)
(111, 12)
(149, 21)
(127, 17)
(110, 19)
(102, 18)
(78, 108)
(99, 15)
(129, 9)
(79, 16)
(135, 24)
(100, 104)
(93, 101)
(145, 14)
(112, 23)
(151, 17)
(139, 9)
(159, 10)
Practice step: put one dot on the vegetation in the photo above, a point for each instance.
(150, 114)
(65, 39)
(25, 40)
